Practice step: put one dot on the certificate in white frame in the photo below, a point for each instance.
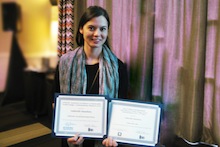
(82, 114)
(134, 123)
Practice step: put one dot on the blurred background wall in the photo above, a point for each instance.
(37, 30)
(28, 46)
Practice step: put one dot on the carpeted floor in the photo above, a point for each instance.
(17, 123)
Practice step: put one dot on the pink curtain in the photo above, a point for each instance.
(172, 49)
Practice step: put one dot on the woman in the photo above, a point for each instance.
(92, 68)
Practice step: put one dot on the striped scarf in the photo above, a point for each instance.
(73, 76)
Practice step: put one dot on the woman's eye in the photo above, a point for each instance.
(91, 28)
(103, 29)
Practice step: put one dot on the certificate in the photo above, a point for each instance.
(80, 114)
(134, 123)
(96, 116)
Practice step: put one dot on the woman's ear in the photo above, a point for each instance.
(81, 30)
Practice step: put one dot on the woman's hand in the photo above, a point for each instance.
(76, 140)
(109, 142)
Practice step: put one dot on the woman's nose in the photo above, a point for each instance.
(97, 32)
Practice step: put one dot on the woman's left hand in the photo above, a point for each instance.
(76, 140)
(109, 142)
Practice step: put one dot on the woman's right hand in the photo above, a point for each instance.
(76, 140)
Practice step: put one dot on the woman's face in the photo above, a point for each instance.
(95, 32)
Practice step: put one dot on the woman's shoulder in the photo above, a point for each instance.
(70, 54)
(121, 64)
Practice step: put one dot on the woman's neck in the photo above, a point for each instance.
(92, 55)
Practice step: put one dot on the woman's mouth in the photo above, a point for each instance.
(96, 40)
